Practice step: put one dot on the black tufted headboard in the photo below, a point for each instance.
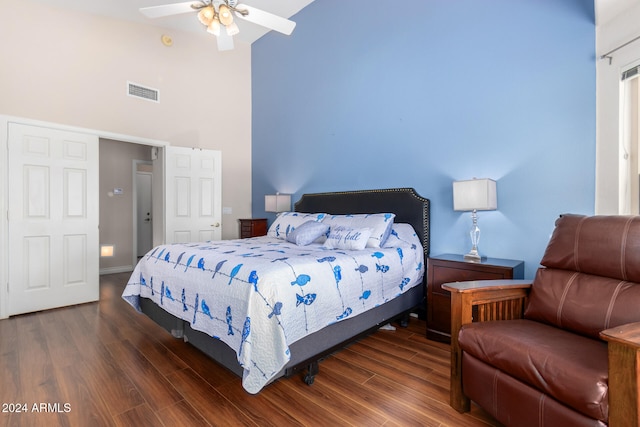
(408, 206)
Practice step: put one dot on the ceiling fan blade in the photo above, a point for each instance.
(266, 19)
(168, 9)
(225, 41)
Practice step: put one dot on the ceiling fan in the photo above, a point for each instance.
(217, 17)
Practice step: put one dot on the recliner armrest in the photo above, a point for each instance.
(489, 296)
(495, 300)
(472, 285)
(624, 374)
(627, 335)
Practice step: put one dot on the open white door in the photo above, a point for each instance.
(193, 190)
(143, 212)
(53, 218)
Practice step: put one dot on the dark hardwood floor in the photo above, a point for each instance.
(103, 364)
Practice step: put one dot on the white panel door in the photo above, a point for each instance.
(53, 218)
(144, 208)
(193, 195)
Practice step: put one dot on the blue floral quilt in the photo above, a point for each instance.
(260, 295)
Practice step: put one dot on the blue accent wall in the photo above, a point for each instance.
(376, 94)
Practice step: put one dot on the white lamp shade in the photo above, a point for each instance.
(478, 194)
(277, 203)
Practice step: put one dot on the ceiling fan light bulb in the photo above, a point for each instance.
(226, 18)
(206, 15)
(232, 29)
(214, 27)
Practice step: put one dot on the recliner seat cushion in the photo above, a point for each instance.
(515, 403)
(569, 367)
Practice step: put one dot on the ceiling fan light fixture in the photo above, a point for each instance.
(214, 27)
(206, 15)
(226, 18)
(213, 14)
(232, 29)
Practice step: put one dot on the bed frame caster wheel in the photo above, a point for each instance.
(404, 321)
(312, 370)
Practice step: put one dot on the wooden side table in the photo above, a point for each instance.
(453, 268)
(253, 227)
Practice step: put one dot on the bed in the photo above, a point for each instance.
(266, 307)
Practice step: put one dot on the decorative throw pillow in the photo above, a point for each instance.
(307, 232)
(286, 222)
(379, 223)
(341, 237)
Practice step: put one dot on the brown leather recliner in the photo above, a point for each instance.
(564, 349)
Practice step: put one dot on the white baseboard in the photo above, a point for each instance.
(113, 270)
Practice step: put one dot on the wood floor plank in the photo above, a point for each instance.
(210, 404)
(411, 377)
(257, 407)
(8, 335)
(158, 354)
(114, 386)
(114, 366)
(181, 414)
(390, 365)
(85, 406)
(151, 383)
(11, 389)
(9, 354)
(345, 370)
(390, 357)
(36, 365)
(387, 409)
(62, 348)
(415, 399)
(210, 371)
(140, 416)
(326, 390)
(303, 407)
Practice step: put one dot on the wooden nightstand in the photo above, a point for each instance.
(253, 227)
(453, 268)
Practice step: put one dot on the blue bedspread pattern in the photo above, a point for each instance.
(260, 295)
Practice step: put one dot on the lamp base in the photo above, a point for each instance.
(474, 256)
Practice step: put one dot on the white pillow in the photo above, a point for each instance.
(402, 234)
(380, 225)
(286, 222)
(347, 238)
(307, 232)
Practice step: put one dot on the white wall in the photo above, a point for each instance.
(71, 68)
(610, 35)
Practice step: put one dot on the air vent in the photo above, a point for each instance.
(631, 73)
(143, 92)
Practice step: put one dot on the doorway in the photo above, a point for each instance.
(118, 201)
(629, 163)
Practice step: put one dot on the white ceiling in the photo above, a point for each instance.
(129, 10)
(606, 10)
